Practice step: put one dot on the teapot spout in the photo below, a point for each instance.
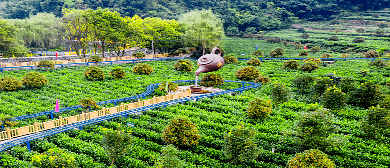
(200, 70)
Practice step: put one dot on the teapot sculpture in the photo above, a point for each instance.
(210, 62)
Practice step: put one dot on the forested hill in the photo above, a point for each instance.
(260, 14)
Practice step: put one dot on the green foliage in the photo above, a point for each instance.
(379, 63)
(360, 30)
(118, 73)
(45, 64)
(309, 66)
(262, 79)
(94, 73)
(358, 40)
(181, 132)
(247, 73)
(169, 158)
(142, 69)
(240, 145)
(273, 40)
(95, 58)
(279, 52)
(347, 84)
(7, 120)
(259, 108)
(254, 62)
(383, 25)
(320, 85)
(315, 49)
(366, 95)
(171, 86)
(10, 84)
(53, 158)
(139, 55)
(313, 129)
(230, 59)
(297, 45)
(305, 35)
(258, 53)
(371, 54)
(280, 92)
(9, 45)
(184, 65)
(311, 158)
(88, 103)
(211, 80)
(291, 64)
(34, 80)
(116, 144)
(333, 38)
(304, 54)
(326, 56)
(376, 122)
(333, 98)
(304, 83)
(301, 30)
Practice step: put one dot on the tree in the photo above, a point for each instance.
(202, 28)
(78, 29)
(116, 144)
(181, 132)
(169, 158)
(9, 47)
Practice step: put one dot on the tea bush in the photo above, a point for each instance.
(309, 66)
(366, 95)
(230, 59)
(181, 132)
(10, 84)
(315, 49)
(371, 54)
(94, 73)
(358, 40)
(333, 38)
(46, 64)
(52, 158)
(171, 86)
(315, 60)
(139, 55)
(184, 65)
(305, 35)
(169, 158)
(344, 55)
(280, 92)
(88, 103)
(211, 80)
(304, 83)
(297, 45)
(273, 40)
(240, 145)
(310, 158)
(142, 69)
(379, 63)
(259, 108)
(254, 62)
(326, 56)
(376, 122)
(258, 53)
(360, 30)
(304, 54)
(333, 98)
(34, 80)
(262, 79)
(313, 129)
(247, 73)
(348, 84)
(291, 64)
(301, 30)
(118, 73)
(95, 58)
(320, 85)
(116, 144)
(279, 52)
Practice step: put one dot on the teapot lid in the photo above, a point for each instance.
(206, 59)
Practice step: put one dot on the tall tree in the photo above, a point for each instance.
(78, 29)
(9, 46)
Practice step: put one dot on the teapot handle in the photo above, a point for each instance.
(215, 49)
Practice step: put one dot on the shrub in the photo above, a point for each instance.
(347, 84)
(301, 30)
(116, 144)
(305, 35)
(7, 120)
(54, 158)
(34, 80)
(379, 63)
(336, 79)
(285, 43)
(211, 79)
(344, 55)
(297, 45)
(379, 33)
(315, 60)
(240, 145)
(279, 52)
(10, 84)
(333, 38)
(171, 86)
(303, 83)
(181, 132)
(304, 54)
(376, 122)
(315, 49)
(358, 40)
(280, 92)
(309, 66)
(326, 56)
(139, 55)
(45, 64)
(230, 59)
(371, 54)
(248, 73)
(273, 40)
(311, 158)
(142, 69)
(262, 79)
(360, 30)
(118, 73)
(94, 73)
(183, 65)
(314, 127)
(383, 25)
(254, 62)
(169, 158)
(258, 53)
(320, 85)
(333, 98)
(95, 58)
(366, 95)
(88, 103)
(291, 64)
(259, 108)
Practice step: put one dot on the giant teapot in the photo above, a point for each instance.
(210, 62)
